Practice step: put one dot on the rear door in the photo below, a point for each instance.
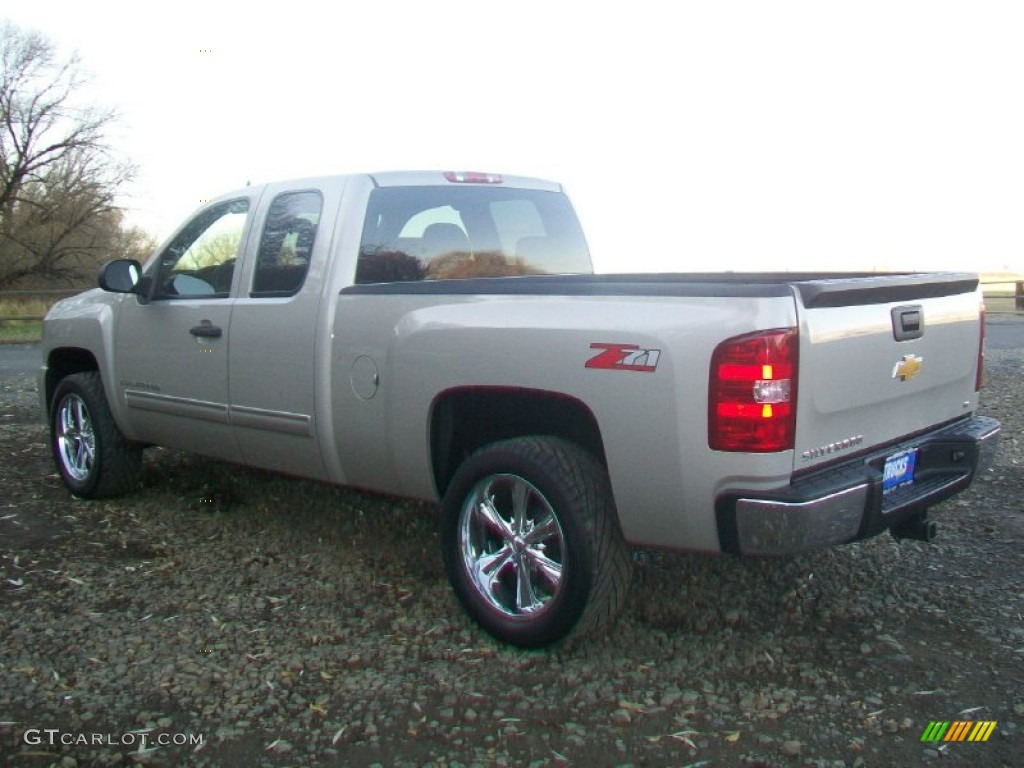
(882, 358)
(272, 365)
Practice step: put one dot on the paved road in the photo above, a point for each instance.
(1003, 332)
(19, 358)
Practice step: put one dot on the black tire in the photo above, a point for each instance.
(94, 459)
(555, 563)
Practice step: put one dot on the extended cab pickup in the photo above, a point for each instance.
(442, 336)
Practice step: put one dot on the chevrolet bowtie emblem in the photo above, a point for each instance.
(907, 368)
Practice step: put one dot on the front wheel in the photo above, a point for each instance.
(531, 541)
(93, 457)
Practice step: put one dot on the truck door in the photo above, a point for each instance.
(171, 352)
(272, 364)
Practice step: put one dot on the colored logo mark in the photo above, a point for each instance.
(959, 730)
(907, 368)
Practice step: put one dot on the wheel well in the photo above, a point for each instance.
(466, 419)
(64, 362)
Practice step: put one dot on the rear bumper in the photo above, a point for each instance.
(844, 502)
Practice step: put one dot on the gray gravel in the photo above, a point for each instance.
(292, 623)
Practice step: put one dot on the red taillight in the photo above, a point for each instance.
(752, 394)
(981, 351)
(472, 177)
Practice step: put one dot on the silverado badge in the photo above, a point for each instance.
(907, 368)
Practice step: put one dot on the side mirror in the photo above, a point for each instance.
(120, 276)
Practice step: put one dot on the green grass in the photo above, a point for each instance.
(22, 331)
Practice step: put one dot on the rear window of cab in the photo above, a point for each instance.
(447, 232)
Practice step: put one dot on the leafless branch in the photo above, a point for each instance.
(58, 175)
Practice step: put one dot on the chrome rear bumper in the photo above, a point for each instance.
(844, 502)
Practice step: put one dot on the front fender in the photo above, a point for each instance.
(78, 335)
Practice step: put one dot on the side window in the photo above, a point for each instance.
(200, 261)
(287, 244)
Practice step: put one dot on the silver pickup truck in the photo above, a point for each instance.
(441, 336)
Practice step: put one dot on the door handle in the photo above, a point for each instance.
(206, 330)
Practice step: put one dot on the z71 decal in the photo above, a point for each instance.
(624, 357)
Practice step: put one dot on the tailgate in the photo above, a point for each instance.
(882, 358)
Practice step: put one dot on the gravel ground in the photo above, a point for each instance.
(283, 622)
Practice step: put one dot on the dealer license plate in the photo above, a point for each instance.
(899, 470)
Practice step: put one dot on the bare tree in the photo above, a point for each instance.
(58, 175)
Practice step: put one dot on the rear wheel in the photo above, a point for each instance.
(93, 457)
(531, 541)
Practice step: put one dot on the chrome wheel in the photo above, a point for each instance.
(76, 438)
(94, 459)
(531, 542)
(511, 545)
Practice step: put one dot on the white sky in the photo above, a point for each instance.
(691, 136)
